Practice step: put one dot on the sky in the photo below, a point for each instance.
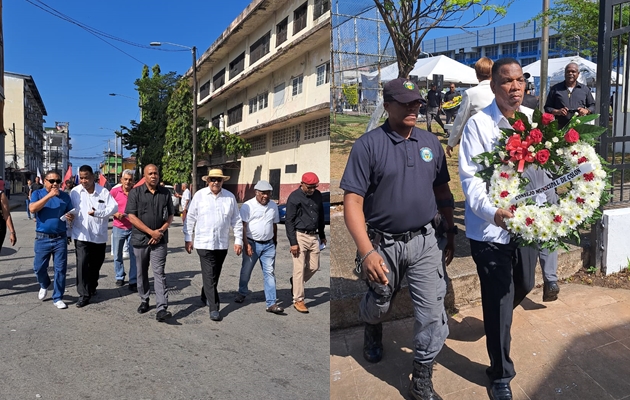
(75, 71)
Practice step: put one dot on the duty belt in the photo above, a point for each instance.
(401, 237)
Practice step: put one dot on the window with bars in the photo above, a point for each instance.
(281, 31)
(323, 74)
(219, 79)
(320, 7)
(296, 84)
(299, 18)
(317, 128)
(204, 90)
(258, 143)
(284, 136)
(237, 65)
(259, 48)
(529, 46)
(235, 115)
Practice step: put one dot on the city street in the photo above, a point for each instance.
(107, 350)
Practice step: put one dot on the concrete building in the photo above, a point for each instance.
(520, 40)
(24, 113)
(266, 78)
(57, 148)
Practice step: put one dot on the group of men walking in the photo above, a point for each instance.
(142, 216)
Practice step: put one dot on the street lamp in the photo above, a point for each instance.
(194, 122)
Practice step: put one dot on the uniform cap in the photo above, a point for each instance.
(310, 178)
(401, 90)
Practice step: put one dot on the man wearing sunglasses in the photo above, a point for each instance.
(50, 205)
(94, 205)
(211, 213)
(304, 225)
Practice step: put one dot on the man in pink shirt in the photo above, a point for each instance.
(122, 232)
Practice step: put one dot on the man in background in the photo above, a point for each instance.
(569, 97)
(27, 190)
(451, 112)
(434, 105)
(121, 232)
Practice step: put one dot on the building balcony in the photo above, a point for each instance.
(529, 54)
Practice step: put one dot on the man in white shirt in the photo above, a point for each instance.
(93, 206)
(506, 271)
(260, 225)
(185, 200)
(211, 213)
(473, 100)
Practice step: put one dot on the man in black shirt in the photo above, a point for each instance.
(433, 107)
(451, 112)
(150, 210)
(305, 231)
(569, 97)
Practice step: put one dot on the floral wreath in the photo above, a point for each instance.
(569, 159)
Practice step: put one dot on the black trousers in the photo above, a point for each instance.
(506, 273)
(211, 264)
(90, 257)
(3, 230)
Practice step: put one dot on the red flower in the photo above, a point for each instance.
(536, 135)
(505, 193)
(542, 156)
(574, 153)
(547, 118)
(513, 207)
(579, 200)
(505, 175)
(519, 126)
(572, 136)
(557, 218)
(582, 160)
(589, 177)
(529, 221)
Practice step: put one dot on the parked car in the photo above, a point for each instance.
(175, 199)
(282, 209)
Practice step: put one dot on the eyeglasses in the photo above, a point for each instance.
(53, 181)
(216, 179)
(310, 187)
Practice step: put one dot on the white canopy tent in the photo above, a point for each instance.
(588, 70)
(453, 71)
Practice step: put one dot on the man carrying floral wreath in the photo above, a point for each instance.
(506, 271)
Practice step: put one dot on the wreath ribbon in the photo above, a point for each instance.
(577, 172)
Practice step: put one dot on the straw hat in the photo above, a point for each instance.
(215, 173)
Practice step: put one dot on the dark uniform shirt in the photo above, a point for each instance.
(559, 97)
(305, 214)
(396, 176)
(530, 101)
(153, 209)
(435, 98)
(448, 96)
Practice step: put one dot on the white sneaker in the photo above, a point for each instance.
(42, 294)
(60, 304)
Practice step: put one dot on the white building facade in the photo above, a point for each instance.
(266, 78)
(57, 148)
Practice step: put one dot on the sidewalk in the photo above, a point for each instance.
(577, 347)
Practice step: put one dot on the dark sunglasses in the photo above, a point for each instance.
(53, 181)
(216, 179)
(310, 187)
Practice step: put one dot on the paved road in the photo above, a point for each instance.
(108, 351)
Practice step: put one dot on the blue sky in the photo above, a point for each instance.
(75, 71)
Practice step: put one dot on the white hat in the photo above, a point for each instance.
(263, 186)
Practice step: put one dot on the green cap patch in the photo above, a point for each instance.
(409, 85)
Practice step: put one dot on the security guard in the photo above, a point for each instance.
(387, 183)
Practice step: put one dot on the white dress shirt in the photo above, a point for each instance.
(474, 100)
(260, 219)
(92, 228)
(481, 135)
(185, 199)
(210, 216)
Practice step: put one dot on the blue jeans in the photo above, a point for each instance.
(120, 236)
(266, 253)
(58, 249)
(28, 212)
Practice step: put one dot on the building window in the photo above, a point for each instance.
(296, 83)
(278, 95)
(219, 79)
(492, 51)
(320, 7)
(258, 102)
(317, 128)
(259, 48)
(510, 48)
(323, 74)
(235, 115)
(554, 43)
(281, 31)
(258, 143)
(529, 46)
(299, 18)
(527, 61)
(237, 65)
(216, 121)
(253, 105)
(204, 90)
(284, 136)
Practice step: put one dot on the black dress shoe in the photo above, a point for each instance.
(133, 287)
(144, 307)
(215, 316)
(550, 291)
(120, 282)
(82, 303)
(500, 391)
(373, 342)
(163, 315)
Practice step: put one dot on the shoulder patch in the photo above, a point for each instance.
(426, 154)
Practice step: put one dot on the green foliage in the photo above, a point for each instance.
(351, 92)
(177, 158)
(591, 270)
(211, 140)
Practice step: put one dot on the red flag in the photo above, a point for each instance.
(140, 182)
(66, 177)
(101, 180)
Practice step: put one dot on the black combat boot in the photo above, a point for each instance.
(373, 342)
(421, 387)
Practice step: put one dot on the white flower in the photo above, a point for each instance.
(531, 149)
(577, 120)
(555, 139)
(559, 151)
(548, 144)
(534, 125)
(502, 154)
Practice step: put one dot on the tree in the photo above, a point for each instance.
(409, 21)
(177, 158)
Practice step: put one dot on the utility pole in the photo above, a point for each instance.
(116, 160)
(14, 148)
(544, 58)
